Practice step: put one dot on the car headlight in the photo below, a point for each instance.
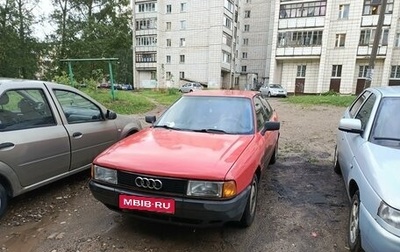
(211, 189)
(105, 174)
(390, 215)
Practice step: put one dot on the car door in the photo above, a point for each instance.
(266, 141)
(88, 130)
(351, 141)
(33, 142)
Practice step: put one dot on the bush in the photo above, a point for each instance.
(330, 93)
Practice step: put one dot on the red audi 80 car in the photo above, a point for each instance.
(199, 164)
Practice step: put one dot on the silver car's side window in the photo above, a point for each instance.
(76, 108)
(365, 111)
(357, 104)
(24, 109)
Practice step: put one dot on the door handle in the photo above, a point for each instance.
(77, 135)
(6, 145)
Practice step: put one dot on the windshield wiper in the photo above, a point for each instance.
(210, 131)
(387, 138)
(166, 127)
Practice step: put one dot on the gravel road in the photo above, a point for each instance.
(302, 205)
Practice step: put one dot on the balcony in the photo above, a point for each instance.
(372, 20)
(366, 50)
(303, 51)
(301, 22)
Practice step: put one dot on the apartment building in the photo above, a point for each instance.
(326, 45)
(221, 44)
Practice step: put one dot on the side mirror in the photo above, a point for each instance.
(150, 119)
(111, 115)
(350, 125)
(270, 126)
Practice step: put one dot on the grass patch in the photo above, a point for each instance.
(133, 102)
(334, 100)
(162, 96)
(126, 102)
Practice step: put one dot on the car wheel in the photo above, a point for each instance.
(354, 229)
(191, 90)
(3, 200)
(275, 154)
(250, 210)
(269, 94)
(336, 165)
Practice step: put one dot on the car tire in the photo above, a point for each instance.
(275, 154)
(353, 228)
(336, 165)
(250, 209)
(3, 200)
(269, 94)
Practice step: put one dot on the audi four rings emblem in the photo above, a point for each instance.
(148, 183)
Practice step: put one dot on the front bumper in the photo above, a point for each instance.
(188, 212)
(373, 236)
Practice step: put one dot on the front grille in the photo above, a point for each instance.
(169, 185)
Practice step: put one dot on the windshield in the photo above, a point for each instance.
(275, 86)
(386, 130)
(231, 115)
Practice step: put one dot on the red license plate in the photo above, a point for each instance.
(159, 205)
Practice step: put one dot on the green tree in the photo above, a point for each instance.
(19, 49)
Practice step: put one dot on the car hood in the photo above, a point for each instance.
(171, 153)
(384, 175)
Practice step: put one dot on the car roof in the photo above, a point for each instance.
(388, 91)
(229, 93)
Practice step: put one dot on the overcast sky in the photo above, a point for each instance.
(44, 8)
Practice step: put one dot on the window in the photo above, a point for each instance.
(395, 72)
(365, 111)
(246, 41)
(168, 42)
(228, 5)
(183, 7)
(397, 42)
(168, 25)
(78, 108)
(153, 75)
(246, 14)
(182, 75)
(146, 40)
(146, 57)
(309, 9)
(373, 7)
(182, 42)
(146, 7)
(227, 39)
(25, 108)
(262, 114)
(300, 38)
(244, 68)
(356, 105)
(367, 37)
(301, 71)
(168, 75)
(181, 58)
(168, 59)
(169, 8)
(183, 24)
(363, 71)
(228, 22)
(146, 24)
(336, 70)
(244, 55)
(246, 28)
(226, 57)
(340, 40)
(344, 11)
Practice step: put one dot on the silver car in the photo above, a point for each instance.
(368, 157)
(273, 90)
(49, 131)
(190, 87)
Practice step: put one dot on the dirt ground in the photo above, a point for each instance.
(302, 205)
